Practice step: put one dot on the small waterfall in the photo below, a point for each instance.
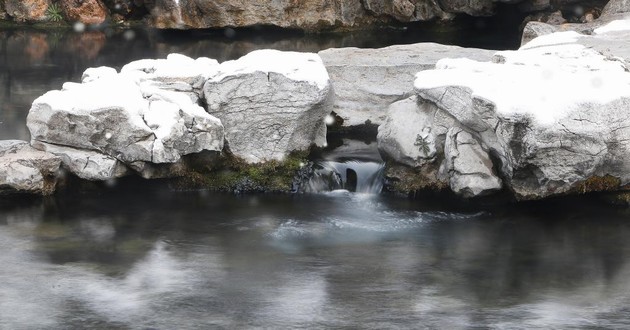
(353, 175)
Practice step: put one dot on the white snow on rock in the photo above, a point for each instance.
(303, 67)
(271, 103)
(92, 74)
(175, 68)
(124, 120)
(557, 38)
(544, 84)
(553, 114)
(614, 26)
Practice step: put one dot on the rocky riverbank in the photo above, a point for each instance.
(549, 119)
(309, 15)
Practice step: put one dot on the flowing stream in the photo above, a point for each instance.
(140, 256)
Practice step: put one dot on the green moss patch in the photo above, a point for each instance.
(235, 175)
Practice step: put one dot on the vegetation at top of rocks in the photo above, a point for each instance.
(54, 13)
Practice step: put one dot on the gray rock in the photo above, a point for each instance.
(569, 133)
(86, 164)
(534, 29)
(26, 170)
(468, 166)
(115, 117)
(414, 132)
(367, 81)
(271, 103)
(615, 7)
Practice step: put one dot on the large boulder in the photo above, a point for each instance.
(313, 15)
(308, 14)
(124, 118)
(27, 10)
(553, 116)
(24, 169)
(271, 103)
(367, 81)
(84, 11)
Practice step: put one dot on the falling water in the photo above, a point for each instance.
(355, 166)
(352, 175)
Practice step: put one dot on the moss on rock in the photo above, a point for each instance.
(235, 175)
(406, 180)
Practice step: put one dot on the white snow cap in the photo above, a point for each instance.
(545, 83)
(614, 26)
(306, 67)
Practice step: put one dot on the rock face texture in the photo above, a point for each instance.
(24, 169)
(367, 81)
(84, 11)
(120, 118)
(307, 14)
(271, 103)
(27, 10)
(548, 119)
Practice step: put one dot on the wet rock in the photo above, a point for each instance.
(24, 169)
(570, 127)
(367, 81)
(271, 103)
(85, 11)
(135, 125)
(27, 10)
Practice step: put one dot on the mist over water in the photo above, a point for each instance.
(197, 260)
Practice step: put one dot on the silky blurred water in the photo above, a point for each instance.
(155, 259)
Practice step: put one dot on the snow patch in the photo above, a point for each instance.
(307, 67)
(614, 26)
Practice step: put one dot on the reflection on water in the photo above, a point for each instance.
(197, 260)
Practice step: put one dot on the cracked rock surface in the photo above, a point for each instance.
(367, 81)
(554, 114)
(24, 169)
(112, 120)
(271, 103)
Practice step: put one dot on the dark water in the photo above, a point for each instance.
(154, 259)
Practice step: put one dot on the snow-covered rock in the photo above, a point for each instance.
(271, 103)
(24, 169)
(367, 81)
(555, 114)
(121, 119)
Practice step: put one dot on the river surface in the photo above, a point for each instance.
(141, 256)
(131, 258)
